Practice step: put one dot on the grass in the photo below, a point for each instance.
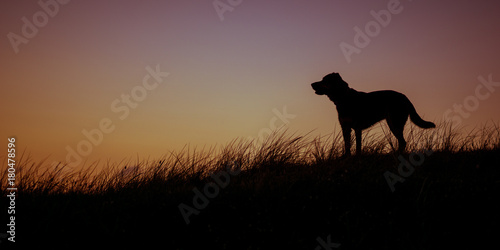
(291, 190)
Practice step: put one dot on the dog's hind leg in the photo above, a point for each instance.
(397, 126)
(401, 141)
(358, 141)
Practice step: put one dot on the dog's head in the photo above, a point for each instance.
(331, 85)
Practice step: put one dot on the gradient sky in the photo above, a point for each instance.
(226, 76)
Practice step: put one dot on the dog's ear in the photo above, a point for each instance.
(341, 81)
(344, 84)
(333, 75)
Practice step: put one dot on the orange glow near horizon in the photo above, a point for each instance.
(79, 80)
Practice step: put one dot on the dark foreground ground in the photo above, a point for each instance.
(450, 200)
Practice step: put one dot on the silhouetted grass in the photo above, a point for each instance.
(291, 190)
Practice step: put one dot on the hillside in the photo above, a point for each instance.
(291, 192)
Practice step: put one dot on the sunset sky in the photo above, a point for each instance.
(229, 70)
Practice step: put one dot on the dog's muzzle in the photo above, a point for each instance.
(316, 88)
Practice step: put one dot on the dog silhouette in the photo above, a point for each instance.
(360, 110)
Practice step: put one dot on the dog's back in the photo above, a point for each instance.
(366, 109)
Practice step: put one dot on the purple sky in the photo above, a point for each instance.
(227, 76)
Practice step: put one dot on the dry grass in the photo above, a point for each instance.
(277, 150)
(292, 189)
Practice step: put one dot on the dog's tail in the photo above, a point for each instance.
(415, 118)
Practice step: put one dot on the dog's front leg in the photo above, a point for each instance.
(357, 132)
(346, 132)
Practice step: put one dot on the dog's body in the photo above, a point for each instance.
(360, 110)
